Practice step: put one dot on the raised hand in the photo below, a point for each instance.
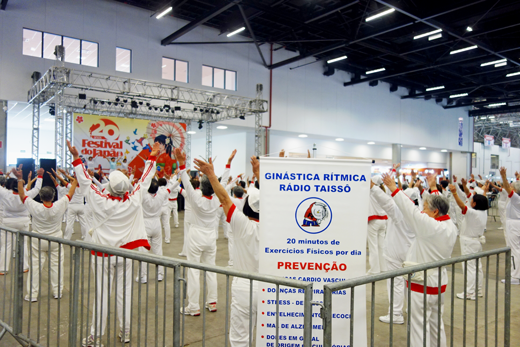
(432, 180)
(40, 172)
(18, 172)
(453, 189)
(180, 156)
(255, 163)
(479, 176)
(282, 153)
(454, 178)
(463, 181)
(156, 149)
(204, 167)
(308, 153)
(73, 150)
(231, 157)
(389, 182)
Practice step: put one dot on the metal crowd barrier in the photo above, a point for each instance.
(493, 207)
(155, 317)
(499, 289)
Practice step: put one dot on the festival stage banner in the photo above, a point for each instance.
(506, 143)
(100, 138)
(489, 140)
(313, 228)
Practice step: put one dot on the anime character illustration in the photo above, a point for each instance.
(315, 214)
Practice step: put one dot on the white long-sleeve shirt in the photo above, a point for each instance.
(13, 206)
(513, 207)
(117, 221)
(374, 210)
(153, 203)
(247, 241)
(473, 222)
(203, 208)
(434, 238)
(47, 220)
(399, 236)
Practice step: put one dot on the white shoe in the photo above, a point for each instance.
(500, 228)
(480, 293)
(91, 342)
(513, 281)
(398, 319)
(33, 299)
(126, 339)
(159, 277)
(143, 279)
(468, 296)
(190, 312)
(166, 241)
(176, 225)
(182, 254)
(212, 306)
(55, 296)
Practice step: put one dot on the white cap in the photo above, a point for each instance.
(118, 183)
(412, 193)
(377, 180)
(481, 182)
(479, 190)
(253, 199)
(473, 184)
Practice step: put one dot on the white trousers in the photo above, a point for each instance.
(503, 218)
(173, 208)
(470, 246)
(399, 285)
(79, 211)
(415, 315)
(201, 248)
(376, 243)
(239, 318)
(153, 230)
(165, 221)
(231, 245)
(106, 273)
(56, 258)
(186, 231)
(513, 234)
(221, 219)
(7, 240)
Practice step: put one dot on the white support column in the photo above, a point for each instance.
(209, 129)
(187, 146)
(396, 153)
(35, 149)
(259, 135)
(59, 119)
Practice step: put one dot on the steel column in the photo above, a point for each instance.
(36, 130)
(208, 139)
(187, 144)
(68, 137)
(59, 134)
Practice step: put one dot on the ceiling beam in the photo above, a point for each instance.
(3, 5)
(306, 55)
(494, 111)
(483, 103)
(328, 12)
(223, 6)
(248, 25)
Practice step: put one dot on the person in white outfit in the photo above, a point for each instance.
(377, 220)
(502, 204)
(246, 228)
(399, 238)
(173, 208)
(201, 246)
(153, 201)
(238, 200)
(472, 225)
(195, 184)
(16, 217)
(46, 220)
(435, 237)
(513, 224)
(117, 221)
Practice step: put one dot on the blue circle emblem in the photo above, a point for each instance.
(313, 215)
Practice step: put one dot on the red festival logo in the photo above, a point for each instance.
(104, 130)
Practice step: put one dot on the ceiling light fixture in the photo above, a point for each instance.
(422, 148)
(222, 127)
(339, 139)
(164, 13)
(371, 143)
(513, 74)
(493, 62)
(236, 32)
(427, 34)
(434, 88)
(463, 49)
(191, 132)
(434, 37)
(381, 14)
(501, 64)
(469, 29)
(491, 117)
(458, 95)
(336, 59)
(444, 150)
(302, 135)
(374, 71)
(497, 104)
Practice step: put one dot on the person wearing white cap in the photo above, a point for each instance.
(513, 224)
(117, 221)
(201, 244)
(472, 225)
(16, 217)
(398, 239)
(435, 237)
(377, 220)
(245, 227)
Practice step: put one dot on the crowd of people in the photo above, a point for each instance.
(410, 222)
(417, 221)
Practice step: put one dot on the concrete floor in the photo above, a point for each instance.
(149, 301)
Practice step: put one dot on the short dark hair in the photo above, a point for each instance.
(481, 202)
(195, 183)
(249, 212)
(12, 184)
(47, 193)
(162, 182)
(238, 191)
(205, 186)
(154, 186)
(243, 184)
(444, 184)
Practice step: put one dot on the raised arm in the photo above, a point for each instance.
(73, 185)
(255, 164)
(385, 201)
(505, 182)
(39, 180)
(149, 168)
(227, 171)
(456, 196)
(52, 178)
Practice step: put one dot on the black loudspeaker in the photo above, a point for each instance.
(28, 166)
(48, 165)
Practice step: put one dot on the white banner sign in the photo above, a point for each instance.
(314, 224)
(506, 143)
(489, 140)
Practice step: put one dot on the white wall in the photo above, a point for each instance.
(510, 159)
(303, 99)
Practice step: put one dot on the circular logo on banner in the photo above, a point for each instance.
(313, 215)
